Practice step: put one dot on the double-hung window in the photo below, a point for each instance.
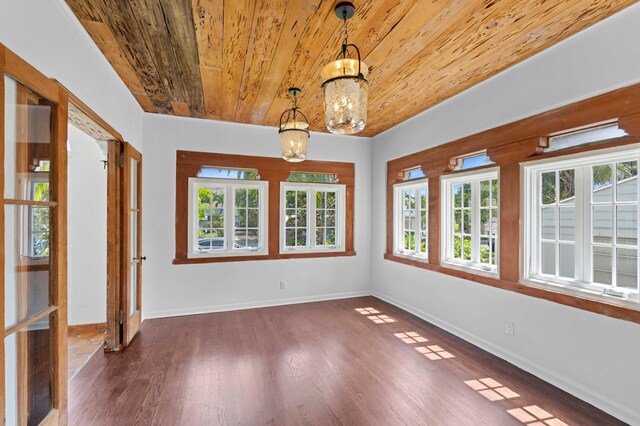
(227, 217)
(470, 215)
(581, 223)
(313, 217)
(410, 218)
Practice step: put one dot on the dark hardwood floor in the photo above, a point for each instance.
(314, 363)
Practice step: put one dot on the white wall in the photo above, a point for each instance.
(87, 248)
(46, 34)
(591, 356)
(183, 289)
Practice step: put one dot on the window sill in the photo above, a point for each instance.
(472, 269)
(602, 307)
(585, 293)
(287, 251)
(228, 253)
(415, 258)
(305, 255)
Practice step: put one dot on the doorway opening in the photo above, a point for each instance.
(87, 247)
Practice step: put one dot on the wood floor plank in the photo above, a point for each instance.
(313, 363)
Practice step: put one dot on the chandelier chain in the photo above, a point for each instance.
(346, 31)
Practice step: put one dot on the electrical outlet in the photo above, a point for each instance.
(510, 329)
(283, 285)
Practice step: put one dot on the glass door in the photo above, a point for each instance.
(33, 140)
(132, 235)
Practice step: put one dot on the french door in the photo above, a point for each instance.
(33, 135)
(131, 313)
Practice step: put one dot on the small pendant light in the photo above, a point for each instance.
(294, 131)
(345, 86)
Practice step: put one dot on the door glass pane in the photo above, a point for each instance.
(133, 304)
(28, 384)
(26, 272)
(27, 146)
(134, 184)
(133, 241)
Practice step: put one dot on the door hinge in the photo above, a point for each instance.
(120, 160)
(121, 319)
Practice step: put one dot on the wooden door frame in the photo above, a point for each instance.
(21, 71)
(87, 120)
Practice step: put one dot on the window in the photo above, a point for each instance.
(470, 220)
(472, 161)
(411, 205)
(583, 219)
(227, 217)
(228, 173)
(221, 225)
(313, 217)
(312, 177)
(411, 174)
(585, 136)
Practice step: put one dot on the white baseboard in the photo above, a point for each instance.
(602, 402)
(252, 305)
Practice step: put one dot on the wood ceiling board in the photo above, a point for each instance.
(235, 60)
(474, 54)
(238, 21)
(106, 41)
(295, 23)
(311, 100)
(208, 16)
(267, 26)
(313, 41)
(169, 34)
(117, 15)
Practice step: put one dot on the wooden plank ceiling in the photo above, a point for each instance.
(233, 60)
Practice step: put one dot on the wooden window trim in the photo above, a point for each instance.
(509, 146)
(272, 170)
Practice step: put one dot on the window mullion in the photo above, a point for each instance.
(229, 215)
(311, 218)
(475, 222)
(614, 231)
(581, 203)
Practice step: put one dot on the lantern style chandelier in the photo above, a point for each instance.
(345, 86)
(294, 131)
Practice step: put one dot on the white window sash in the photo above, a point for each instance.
(398, 219)
(583, 281)
(447, 215)
(228, 187)
(340, 225)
